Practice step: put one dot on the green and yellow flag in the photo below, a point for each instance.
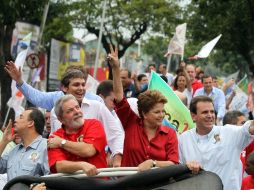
(176, 112)
(243, 84)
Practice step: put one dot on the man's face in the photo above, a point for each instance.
(208, 84)
(215, 83)
(191, 71)
(47, 122)
(22, 122)
(109, 101)
(76, 88)
(124, 78)
(161, 69)
(72, 116)
(240, 120)
(151, 68)
(205, 116)
(144, 80)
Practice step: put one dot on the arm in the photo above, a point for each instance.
(7, 137)
(221, 105)
(148, 164)
(229, 100)
(44, 100)
(230, 83)
(113, 130)
(117, 84)
(65, 166)
(189, 87)
(81, 149)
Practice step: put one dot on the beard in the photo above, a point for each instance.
(77, 123)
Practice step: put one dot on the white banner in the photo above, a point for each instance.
(176, 45)
(239, 101)
(206, 49)
(91, 84)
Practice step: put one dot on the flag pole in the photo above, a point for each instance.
(99, 39)
(6, 116)
(168, 62)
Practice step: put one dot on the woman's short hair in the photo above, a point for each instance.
(148, 99)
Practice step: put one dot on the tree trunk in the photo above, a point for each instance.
(5, 39)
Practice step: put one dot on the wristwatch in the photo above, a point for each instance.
(63, 142)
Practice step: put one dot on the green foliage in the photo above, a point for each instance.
(234, 20)
(156, 47)
(125, 21)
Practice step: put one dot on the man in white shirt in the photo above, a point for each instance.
(217, 95)
(74, 83)
(214, 148)
(163, 72)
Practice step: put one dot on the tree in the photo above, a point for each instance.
(234, 20)
(12, 11)
(125, 21)
(156, 47)
(29, 11)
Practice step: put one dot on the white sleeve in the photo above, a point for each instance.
(113, 130)
(54, 122)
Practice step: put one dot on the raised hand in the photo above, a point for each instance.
(113, 57)
(14, 72)
(7, 136)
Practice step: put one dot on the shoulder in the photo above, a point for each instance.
(187, 134)
(59, 132)
(92, 96)
(89, 122)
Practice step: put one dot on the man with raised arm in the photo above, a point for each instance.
(214, 148)
(45, 100)
(73, 82)
(30, 156)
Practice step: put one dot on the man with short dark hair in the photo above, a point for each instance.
(79, 144)
(234, 117)
(128, 86)
(214, 148)
(163, 72)
(30, 156)
(216, 94)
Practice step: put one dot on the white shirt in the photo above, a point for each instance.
(221, 156)
(188, 94)
(93, 109)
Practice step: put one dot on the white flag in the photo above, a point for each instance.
(232, 76)
(206, 49)
(17, 98)
(176, 45)
(91, 84)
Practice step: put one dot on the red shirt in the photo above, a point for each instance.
(137, 148)
(92, 133)
(196, 85)
(247, 183)
(245, 153)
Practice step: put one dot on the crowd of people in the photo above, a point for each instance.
(122, 125)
